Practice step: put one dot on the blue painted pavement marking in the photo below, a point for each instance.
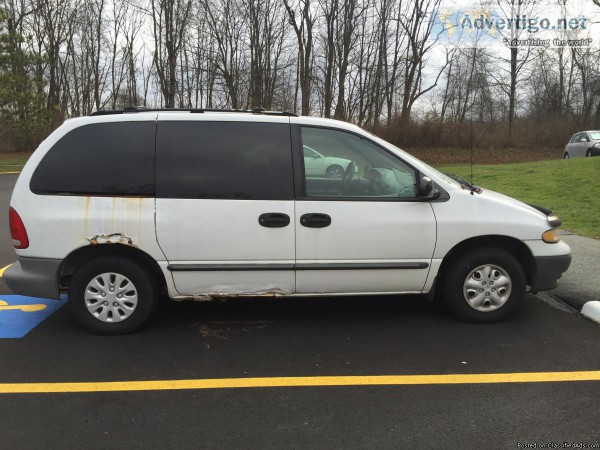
(19, 315)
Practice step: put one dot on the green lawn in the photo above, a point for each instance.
(13, 162)
(569, 187)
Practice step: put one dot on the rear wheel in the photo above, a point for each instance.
(112, 295)
(566, 155)
(486, 285)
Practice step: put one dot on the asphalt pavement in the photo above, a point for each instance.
(338, 338)
(581, 283)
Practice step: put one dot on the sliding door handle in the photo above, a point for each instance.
(274, 220)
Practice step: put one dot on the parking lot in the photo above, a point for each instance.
(313, 366)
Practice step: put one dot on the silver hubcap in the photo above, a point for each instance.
(487, 288)
(111, 297)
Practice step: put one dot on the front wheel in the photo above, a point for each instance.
(112, 295)
(486, 285)
(588, 154)
(566, 155)
(334, 171)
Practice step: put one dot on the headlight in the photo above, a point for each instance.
(551, 236)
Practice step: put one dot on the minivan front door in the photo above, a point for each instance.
(366, 232)
(224, 206)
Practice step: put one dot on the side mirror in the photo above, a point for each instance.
(425, 189)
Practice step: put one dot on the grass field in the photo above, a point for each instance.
(568, 187)
(13, 162)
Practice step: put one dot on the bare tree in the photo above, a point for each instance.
(416, 22)
(227, 26)
(518, 58)
(330, 15)
(366, 61)
(54, 23)
(350, 15)
(129, 28)
(303, 27)
(266, 32)
(170, 19)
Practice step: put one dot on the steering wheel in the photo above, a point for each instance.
(374, 179)
(348, 176)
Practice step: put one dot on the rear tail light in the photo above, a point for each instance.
(17, 230)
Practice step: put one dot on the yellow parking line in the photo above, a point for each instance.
(228, 383)
(8, 173)
(4, 268)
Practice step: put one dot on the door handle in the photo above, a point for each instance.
(274, 220)
(315, 220)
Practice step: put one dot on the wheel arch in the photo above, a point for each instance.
(514, 246)
(84, 254)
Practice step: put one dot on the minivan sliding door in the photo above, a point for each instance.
(224, 206)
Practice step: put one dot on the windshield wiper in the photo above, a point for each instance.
(465, 184)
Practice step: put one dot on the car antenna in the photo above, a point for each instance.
(471, 141)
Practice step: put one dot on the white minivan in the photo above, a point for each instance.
(120, 206)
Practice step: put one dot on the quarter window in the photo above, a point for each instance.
(100, 159)
(224, 160)
(351, 166)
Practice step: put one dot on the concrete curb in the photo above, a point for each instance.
(556, 302)
(591, 310)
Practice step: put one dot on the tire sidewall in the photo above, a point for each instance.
(457, 272)
(143, 282)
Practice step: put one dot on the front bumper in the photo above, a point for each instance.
(547, 270)
(34, 277)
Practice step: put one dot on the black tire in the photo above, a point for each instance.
(144, 286)
(566, 155)
(454, 282)
(334, 171)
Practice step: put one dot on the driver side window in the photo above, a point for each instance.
(351, 166)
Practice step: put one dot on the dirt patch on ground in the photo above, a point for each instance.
(443, 156)
(221, 328)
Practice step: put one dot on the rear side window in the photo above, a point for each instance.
(224, 160)
(100, 159)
